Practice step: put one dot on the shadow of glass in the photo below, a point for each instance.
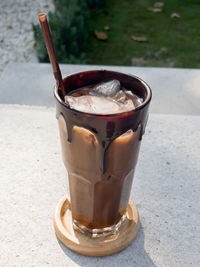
(133, 255)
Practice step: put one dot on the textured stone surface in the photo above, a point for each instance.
(175, 91)
(16, 35)
(165, 190)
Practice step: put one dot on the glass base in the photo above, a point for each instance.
(98, 232)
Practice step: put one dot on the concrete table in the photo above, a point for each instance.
(165, 190)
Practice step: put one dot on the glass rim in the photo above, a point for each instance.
(146, 101)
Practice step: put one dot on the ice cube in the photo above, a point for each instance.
(108, 89)
(128, 105)
(129, 92)
(139, 100)
(93, 104)
(136, 99)
(120, 97)
(80, 103)
(103, 105)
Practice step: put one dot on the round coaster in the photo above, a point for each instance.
(100, 246)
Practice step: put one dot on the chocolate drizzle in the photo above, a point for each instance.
(106, 128)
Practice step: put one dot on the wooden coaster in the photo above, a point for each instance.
(100, 246)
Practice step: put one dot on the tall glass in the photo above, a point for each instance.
(100, 153)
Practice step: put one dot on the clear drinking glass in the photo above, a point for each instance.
(100, 153)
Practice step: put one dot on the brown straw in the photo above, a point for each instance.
(51, 53)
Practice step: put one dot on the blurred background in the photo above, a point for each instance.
(103, 32)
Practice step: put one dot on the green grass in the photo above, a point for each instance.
(171, 42)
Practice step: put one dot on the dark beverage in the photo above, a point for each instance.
(100, 147)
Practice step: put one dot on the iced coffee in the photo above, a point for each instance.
(100, 144)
